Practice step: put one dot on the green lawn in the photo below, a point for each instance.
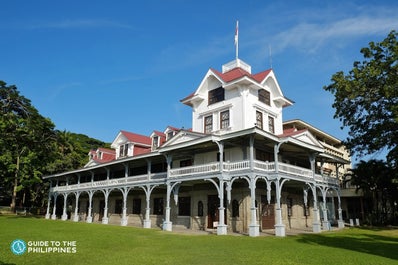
(107, 244)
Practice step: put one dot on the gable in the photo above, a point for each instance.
(182, 137)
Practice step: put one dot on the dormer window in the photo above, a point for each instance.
(155, 142)
(124, 149)
(170, 135)
(216, 95)
(264, 96)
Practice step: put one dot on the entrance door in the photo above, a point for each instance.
(101, 210)
(267, 214)
(213, 203)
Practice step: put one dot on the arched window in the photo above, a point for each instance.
(235, 208)
(200, 208)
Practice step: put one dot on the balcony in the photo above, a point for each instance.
(209, 170)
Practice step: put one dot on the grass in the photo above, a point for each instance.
(107, 244)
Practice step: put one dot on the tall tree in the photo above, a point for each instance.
(26, 140)
(366, 99)
(375, 178)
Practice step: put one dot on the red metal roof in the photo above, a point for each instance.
(291, 132)
(137, 138)
(238, 72)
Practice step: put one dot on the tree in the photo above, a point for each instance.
(366, 100)
(26, 140)
(376, 180)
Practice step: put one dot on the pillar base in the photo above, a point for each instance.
(147, 223)
(280, 230)
(48, 216)
(254, 230)
(76, 218)
(221, 230)
(326, 225)
(89, 219)
(340, 224)
(64, 217)
(53, 217)
(316, 227)
(167, 226)
(123, 222)
(105, 220)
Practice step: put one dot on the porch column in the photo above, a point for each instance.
(340, 221)
(54, 216)
(125, 192)
(325, 222)
(148, 190)
(251, 152)
(76, 216)
(316, 223)
(90, 199)
(48, 204)
(64, 215)
(222, 227)
(254, 227)
(105, 219)
(279, 226)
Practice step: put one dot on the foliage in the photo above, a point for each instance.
(376, 179)
(366, 99)
(107, 244)
(25, 140)
(30, 147)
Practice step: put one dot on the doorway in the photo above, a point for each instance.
(267, 214)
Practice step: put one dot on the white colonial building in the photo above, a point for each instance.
(240, 168)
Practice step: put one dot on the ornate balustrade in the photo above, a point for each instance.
(205, 169)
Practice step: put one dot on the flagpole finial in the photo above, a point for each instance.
(237, 39)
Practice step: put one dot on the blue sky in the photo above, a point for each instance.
(96, 67)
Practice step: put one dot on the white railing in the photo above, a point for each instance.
(295, 170)
(211, 168)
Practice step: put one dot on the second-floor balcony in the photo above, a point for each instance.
(206, 171)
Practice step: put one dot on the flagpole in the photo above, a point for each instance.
(237, 39)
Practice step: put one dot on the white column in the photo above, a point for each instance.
(125, 192)
(90, 202)
(167, 224)
(340, 220)
(48, 206)
(147, 220)
(76, 216)
(280, 229)
(222, 227)
(316, 223)
(54, 216)
(254, 227)
(105, 219)
(64, 215)
(325, 222)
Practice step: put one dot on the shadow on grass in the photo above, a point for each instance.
(365, 242)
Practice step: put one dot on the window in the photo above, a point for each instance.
(208, 124)
(184, 206)
(224, 119)
(264, 96)
(118, 206)
(259, 119)
(170, 135)
(124, 149)
(200, 208)
(155, 142)
(271, 126)
(186, 163)
(137, 206)
(235, 208)
(216, 95)
(158, 206)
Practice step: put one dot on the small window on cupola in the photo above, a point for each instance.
(264, 96)
(216, 95)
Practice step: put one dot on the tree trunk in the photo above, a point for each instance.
(14, 190)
